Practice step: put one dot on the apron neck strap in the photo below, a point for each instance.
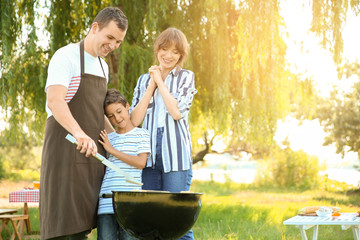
(82, 56)
(82, 59)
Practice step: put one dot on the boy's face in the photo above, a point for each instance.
(118, 115)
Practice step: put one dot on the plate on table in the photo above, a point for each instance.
(324, 214)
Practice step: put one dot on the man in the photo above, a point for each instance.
(76, 87)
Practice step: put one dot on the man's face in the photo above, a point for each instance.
(107, 39)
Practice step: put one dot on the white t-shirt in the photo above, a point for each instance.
(64, 69)
(133, 142)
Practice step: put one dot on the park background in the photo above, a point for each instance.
(276, 80)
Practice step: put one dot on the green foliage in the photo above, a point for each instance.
(329, 185)
(20, 163)
(304, 104)
(340, 117)
(9, 28)
(2, 170)
(340, 113)
(22, 75)
(259, 60)
(237, 53)
(328, 20)
(289, 169)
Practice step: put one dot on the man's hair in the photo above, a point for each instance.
(169, 37)
(111, 14)
(114, 96)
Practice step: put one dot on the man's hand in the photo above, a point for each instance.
(86, 144)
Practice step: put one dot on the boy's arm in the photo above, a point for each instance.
(137, 161)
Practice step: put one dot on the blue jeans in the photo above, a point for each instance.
(109, 229)
(154, 178)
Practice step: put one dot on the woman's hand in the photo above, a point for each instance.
(155, 74)
(105, 141)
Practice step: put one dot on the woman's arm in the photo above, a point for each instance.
(170, 102)
(139, 111)
(138, 161)
(185, 92)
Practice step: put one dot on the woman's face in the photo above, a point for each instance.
(168, 57)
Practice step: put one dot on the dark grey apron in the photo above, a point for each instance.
(69, 182)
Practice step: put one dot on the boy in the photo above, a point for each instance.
(128, 148)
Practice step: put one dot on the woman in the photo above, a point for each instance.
(161, 102)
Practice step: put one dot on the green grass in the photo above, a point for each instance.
(234, 211)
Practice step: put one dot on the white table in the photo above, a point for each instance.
(346, 220)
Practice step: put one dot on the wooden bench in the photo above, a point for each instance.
(7, 211)
(18, 224)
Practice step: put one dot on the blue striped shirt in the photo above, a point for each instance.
(133, 142)
(176, 141)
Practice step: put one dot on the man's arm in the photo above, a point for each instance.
(56, 102)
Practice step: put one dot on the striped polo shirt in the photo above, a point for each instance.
(176, 141)
(133, 142)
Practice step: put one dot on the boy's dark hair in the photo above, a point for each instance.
(114, 96)
(111, 14)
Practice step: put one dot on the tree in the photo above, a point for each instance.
(329, 18)
(237, 54)
(340, 113)
(23, 70)
(340, 116)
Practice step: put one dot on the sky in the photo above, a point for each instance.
(318, 64)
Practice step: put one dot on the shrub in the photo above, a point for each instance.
(286, 168)
(2, 171)
(20, 163)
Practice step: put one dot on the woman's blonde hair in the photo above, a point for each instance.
(169, 37)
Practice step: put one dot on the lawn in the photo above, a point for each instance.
(234, 211)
